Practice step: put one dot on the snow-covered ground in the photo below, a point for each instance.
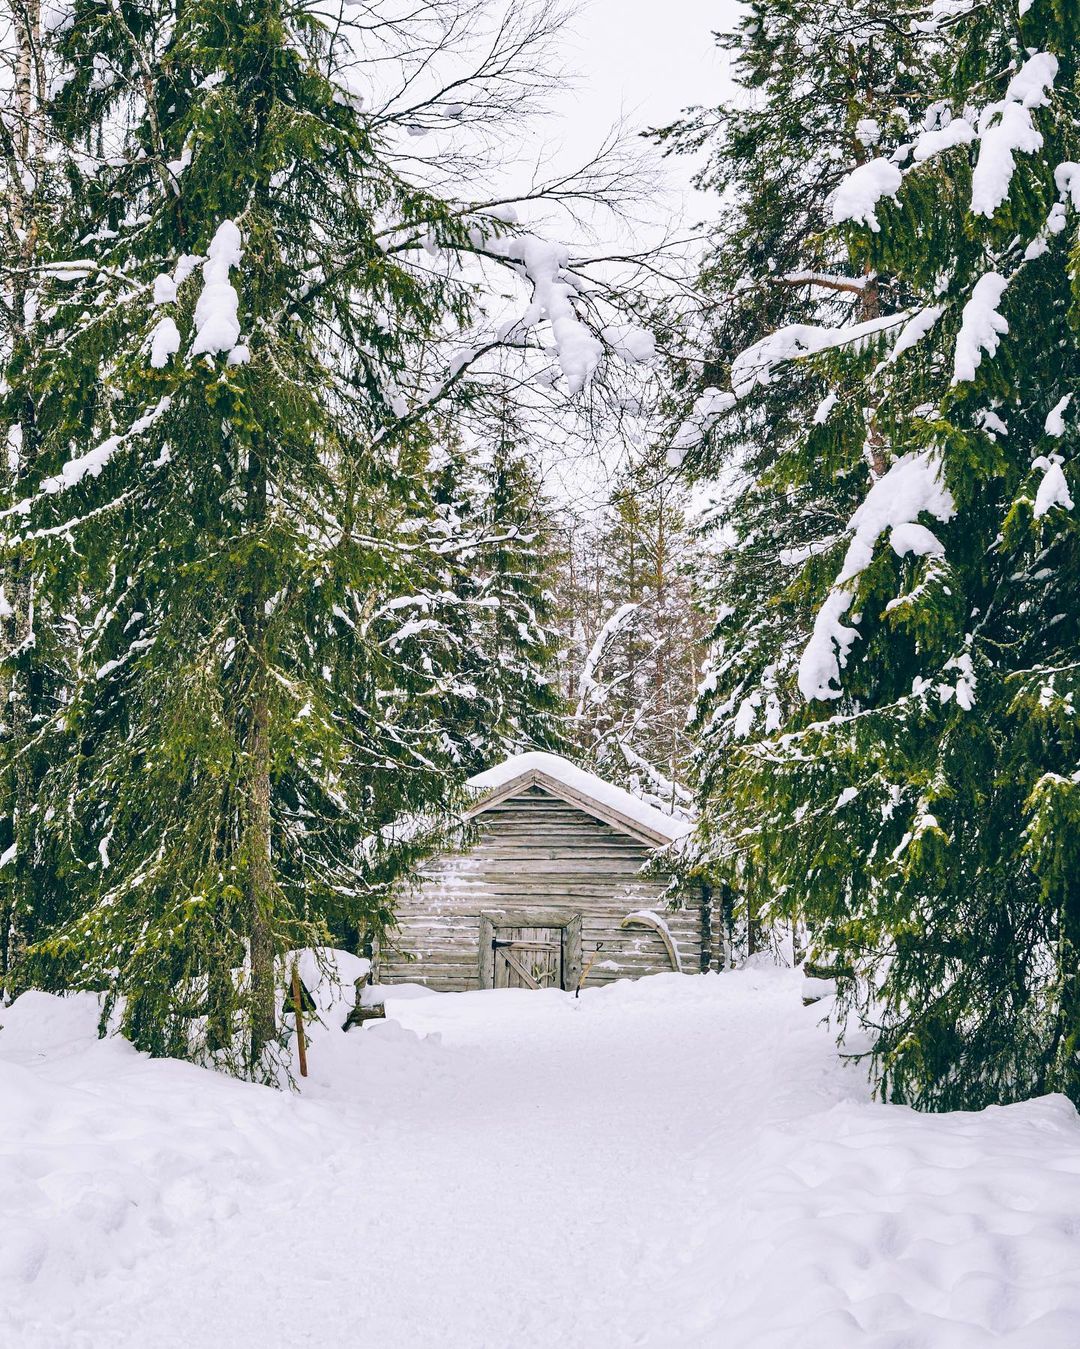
(676, 1162)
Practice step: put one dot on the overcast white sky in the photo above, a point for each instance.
(648, 57)
(644, 60)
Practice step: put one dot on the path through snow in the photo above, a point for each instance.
(676, 1162)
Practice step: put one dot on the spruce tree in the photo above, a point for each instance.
(633, 641)
(236, 496)
(911, 788)
(826, 88)
(521, 706)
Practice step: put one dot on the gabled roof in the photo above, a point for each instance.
(561, 778)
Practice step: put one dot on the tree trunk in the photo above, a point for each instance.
(1068, 1056)
(260, 882)
(258, 863)
(26, 150)
(19, 710)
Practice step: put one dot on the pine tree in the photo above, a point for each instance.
(517, 653)
(236, 496)
(633, 639)
(909, 788)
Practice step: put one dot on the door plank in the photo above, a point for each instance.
(517, 967)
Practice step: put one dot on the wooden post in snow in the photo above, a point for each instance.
(299, 1011)
(588, 967)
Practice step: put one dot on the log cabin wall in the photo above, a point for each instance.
(538, 854)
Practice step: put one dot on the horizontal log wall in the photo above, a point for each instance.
(537, 852)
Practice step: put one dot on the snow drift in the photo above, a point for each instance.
(647, 1165)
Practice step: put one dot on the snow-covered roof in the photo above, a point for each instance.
(566, 780)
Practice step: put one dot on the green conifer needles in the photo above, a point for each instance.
(282, 593)
(890, 719)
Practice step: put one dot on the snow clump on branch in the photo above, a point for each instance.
(546, 266)
(217, 327)
(1054, 489)
(858, 195)
(164, 342)
(911, 486)
(981, 326)
(1007, 129)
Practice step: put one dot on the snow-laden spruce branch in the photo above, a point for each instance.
(1004, 129)
(913, 484)
(757, 365)
(91, 463)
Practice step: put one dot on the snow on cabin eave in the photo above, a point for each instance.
(579, 788)
(598, 809)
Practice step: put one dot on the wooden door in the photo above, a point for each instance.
(528, 957)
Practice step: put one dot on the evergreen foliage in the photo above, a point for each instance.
(33, 636)
(633, 638)
(889, 725)
(503, 612)
(295, 621)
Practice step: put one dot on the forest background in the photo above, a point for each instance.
(356, 439)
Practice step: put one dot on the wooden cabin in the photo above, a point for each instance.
(551, 892)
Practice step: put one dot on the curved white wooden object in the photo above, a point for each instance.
(654, 921)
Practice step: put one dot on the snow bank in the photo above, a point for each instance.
(106, 1155)
(588, 784)
(690, 1134)
(886, 1227)
(329, 975)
